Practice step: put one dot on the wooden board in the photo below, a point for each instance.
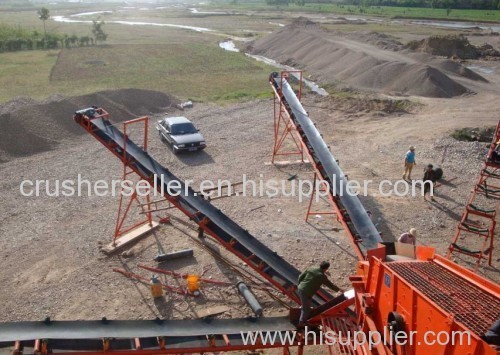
(287, 162)
(210, 311)
(129, 237)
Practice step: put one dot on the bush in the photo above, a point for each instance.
(468, 134)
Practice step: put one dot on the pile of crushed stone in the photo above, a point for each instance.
(334, 59)
(452, 46)
(30, 127)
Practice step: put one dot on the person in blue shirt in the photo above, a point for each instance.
(409, 162)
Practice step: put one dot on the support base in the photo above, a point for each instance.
(129, 237)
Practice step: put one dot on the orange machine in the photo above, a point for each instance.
(441, 307)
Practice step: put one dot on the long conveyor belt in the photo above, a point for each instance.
(349, 208)
(61, 331)
(232, 236)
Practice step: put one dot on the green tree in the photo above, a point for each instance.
(44, 15)
(73, 40)
(278, 2)
(98, 32)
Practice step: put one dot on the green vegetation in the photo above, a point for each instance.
(469, 134)
(44, 15)
(98, 32)
(364, 8)
(17, 38)
(202, 72)
(443, 4)
(349, 100)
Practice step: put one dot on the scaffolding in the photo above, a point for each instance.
(479, 218)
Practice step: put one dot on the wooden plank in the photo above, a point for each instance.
(130, 237)
(211, 311)
(287, 162)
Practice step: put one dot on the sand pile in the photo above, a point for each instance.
(457, 46)
(332, 59)
(446, 46)
(29, 127)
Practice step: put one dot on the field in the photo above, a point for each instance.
(382, 11)
(181, 62)
(200, 72)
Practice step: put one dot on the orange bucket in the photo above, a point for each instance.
(193, 283)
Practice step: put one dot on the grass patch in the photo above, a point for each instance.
(468, 134)
(26, 74)
(352, 101)
(382, 11)
(202, 72)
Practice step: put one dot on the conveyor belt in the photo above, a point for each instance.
(73, 330)
(362, 226)
(239, 241)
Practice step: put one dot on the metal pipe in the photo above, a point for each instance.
(186, 253)
(250, 298)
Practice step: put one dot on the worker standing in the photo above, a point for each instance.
(408, 237)
(409, 162)
(310, 281)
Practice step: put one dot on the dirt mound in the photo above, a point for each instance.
(487, 50)
(457, 69)
(381, 40)
(446, 46)
(29, 127)
(303, 22)
(331, 59)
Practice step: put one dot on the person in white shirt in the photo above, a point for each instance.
(409, 237)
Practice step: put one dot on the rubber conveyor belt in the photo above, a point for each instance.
(276, 268)
(24, 331)
(364, 227)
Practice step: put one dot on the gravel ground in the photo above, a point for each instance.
(52, 265)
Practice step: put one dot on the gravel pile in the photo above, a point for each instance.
(30, 127)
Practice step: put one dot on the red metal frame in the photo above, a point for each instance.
(341, 217)
(284, 127)
(311, 201)
(484, 225)
(41, 347)
(120, 230)
(345, 328)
